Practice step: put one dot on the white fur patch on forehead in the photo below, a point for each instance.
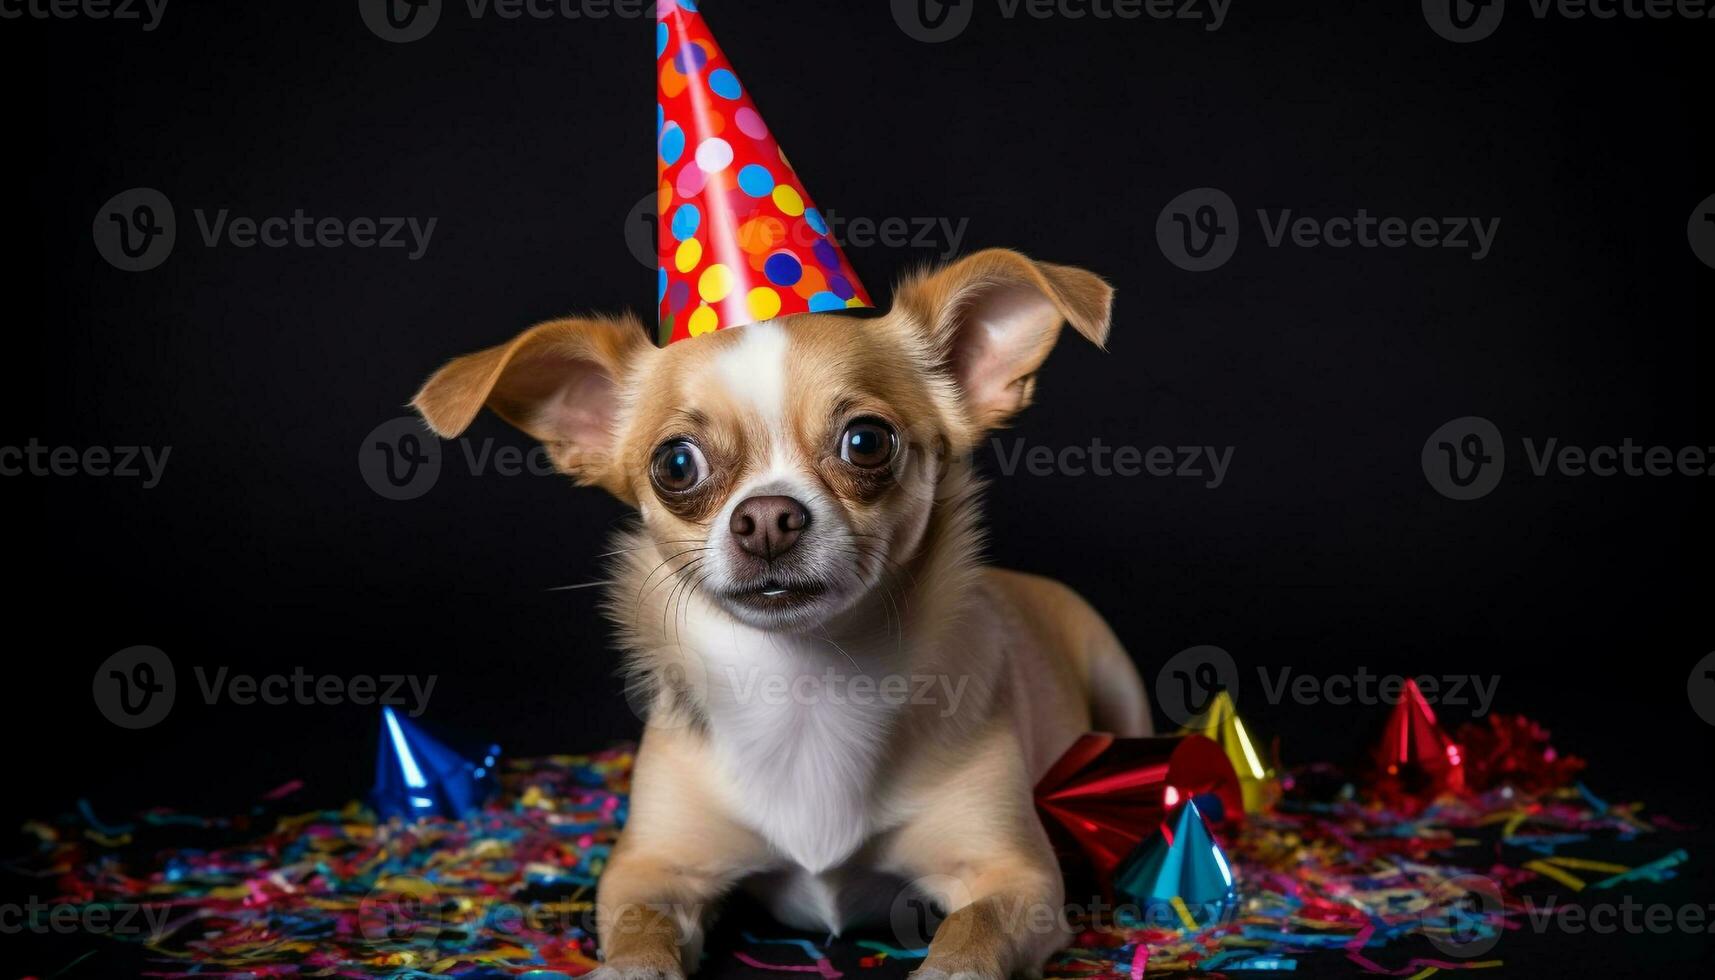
(754, 370)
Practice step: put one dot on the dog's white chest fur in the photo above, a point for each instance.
(799, 744)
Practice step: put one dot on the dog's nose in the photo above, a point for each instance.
(768, 527)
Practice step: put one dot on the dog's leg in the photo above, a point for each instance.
(652, 910)
(978, 850)
(678, 857)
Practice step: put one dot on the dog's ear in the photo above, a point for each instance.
(990, 320)
(558, 381)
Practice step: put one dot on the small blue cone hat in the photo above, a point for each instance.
(1181, 862)
(417, 776)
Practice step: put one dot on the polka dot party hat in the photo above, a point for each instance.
(741, 241)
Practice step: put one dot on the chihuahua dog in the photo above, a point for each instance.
(844, 705)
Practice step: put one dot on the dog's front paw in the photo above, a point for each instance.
(633, 971)
(930, 973)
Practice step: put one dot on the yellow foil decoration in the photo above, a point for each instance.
(1221, 723)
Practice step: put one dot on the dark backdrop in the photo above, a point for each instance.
(528, 141)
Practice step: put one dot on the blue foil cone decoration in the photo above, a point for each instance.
(1180, 862)
(416, 776)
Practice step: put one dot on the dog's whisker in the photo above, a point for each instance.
(679, 574)
(648, 547)
(695, 587)
(681, 609)
(893, 620)
(582, 585)
(674, 576)
(664, 562)
(881, 543)
(887, 564)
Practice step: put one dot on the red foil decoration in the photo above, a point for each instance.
(1512, 750)
(1106, 794)
(1416, 761)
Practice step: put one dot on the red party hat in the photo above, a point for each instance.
(1106, 794)
(741, 241)
(1416, 760)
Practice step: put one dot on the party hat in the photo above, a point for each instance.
(1416, 760)
(1106, 794)
(741, 241)
(1180, 876)
(1221, 723)
(416, 776)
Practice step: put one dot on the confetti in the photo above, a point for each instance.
(510, 891)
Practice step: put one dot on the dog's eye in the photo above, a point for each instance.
(868, 443)
(679, 467)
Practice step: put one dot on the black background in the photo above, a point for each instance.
(529, 141)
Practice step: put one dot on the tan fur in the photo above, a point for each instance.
(946, 798)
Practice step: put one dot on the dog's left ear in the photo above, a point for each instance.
(990, 320)
(558, 381)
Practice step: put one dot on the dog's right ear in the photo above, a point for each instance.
(990, 320)
(558, 381)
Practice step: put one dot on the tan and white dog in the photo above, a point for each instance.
(843, 702)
